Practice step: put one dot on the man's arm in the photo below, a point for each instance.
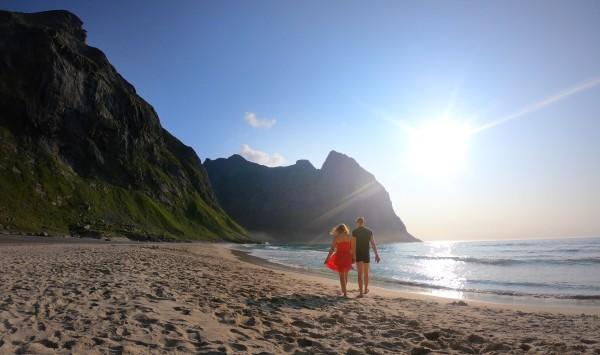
(353, 249)
(374, 246)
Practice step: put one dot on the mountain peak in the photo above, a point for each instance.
(335, 155)
(299, 203)
(339, 163)
(236, 157)
(61, 20)
(305, 163)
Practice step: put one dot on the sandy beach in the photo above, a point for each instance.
(120, 298)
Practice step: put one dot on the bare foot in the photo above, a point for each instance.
(360, 296)
(366, 291)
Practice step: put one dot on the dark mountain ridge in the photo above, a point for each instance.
(81, 151)
(300, 203)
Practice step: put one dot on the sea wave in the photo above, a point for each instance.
(497, 287)
(499, 292)
(505, 261)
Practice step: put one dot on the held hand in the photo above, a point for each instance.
(377, 258)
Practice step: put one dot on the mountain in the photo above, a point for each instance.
(80, 151)
(300, 203)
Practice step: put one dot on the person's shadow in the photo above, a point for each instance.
(297, 301)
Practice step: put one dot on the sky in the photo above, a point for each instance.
(481, 119)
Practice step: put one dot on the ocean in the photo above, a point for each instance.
(558, 269)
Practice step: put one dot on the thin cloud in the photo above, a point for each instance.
(261, 157)
(256, 122)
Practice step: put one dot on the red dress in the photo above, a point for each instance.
(341, 260)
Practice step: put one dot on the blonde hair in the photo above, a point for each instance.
(340, 229)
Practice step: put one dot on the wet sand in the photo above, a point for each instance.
(134, 298)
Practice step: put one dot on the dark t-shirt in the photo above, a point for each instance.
(363, 238)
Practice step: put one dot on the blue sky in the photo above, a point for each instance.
(348, 75)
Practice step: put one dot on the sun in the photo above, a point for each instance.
(438, 149)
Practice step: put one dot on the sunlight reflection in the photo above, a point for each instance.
(444, 272)
(446, 294)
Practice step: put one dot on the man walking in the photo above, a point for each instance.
(363, 240)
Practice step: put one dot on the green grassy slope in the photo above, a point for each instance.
(40, 193)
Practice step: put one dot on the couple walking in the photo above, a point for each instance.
(346, 250)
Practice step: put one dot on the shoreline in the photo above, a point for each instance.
(512, 302)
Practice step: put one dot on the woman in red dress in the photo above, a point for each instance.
(341, 254)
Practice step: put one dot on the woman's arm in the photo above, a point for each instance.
(374, 246)
(331, 250)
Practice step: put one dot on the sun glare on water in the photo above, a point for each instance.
(438, 149)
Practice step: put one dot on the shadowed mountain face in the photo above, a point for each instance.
(81, 151)
(300, 203)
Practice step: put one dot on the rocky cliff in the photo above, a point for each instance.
(300, 203)
(80, 151)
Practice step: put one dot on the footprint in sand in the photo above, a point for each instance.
(239, 332)
(302, 324)
(288, 347)
(238, 347)
(145, 320)
(48, 343)
(116, 350)
(193, 335)
(183, 310)
(172, 343)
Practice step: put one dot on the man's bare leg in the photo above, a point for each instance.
(366, 277)
(359, 267)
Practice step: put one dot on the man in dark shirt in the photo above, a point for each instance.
(363, 239)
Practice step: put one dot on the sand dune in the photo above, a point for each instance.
(198, 298)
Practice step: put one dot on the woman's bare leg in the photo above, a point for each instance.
(346, 277)
(342, 282)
